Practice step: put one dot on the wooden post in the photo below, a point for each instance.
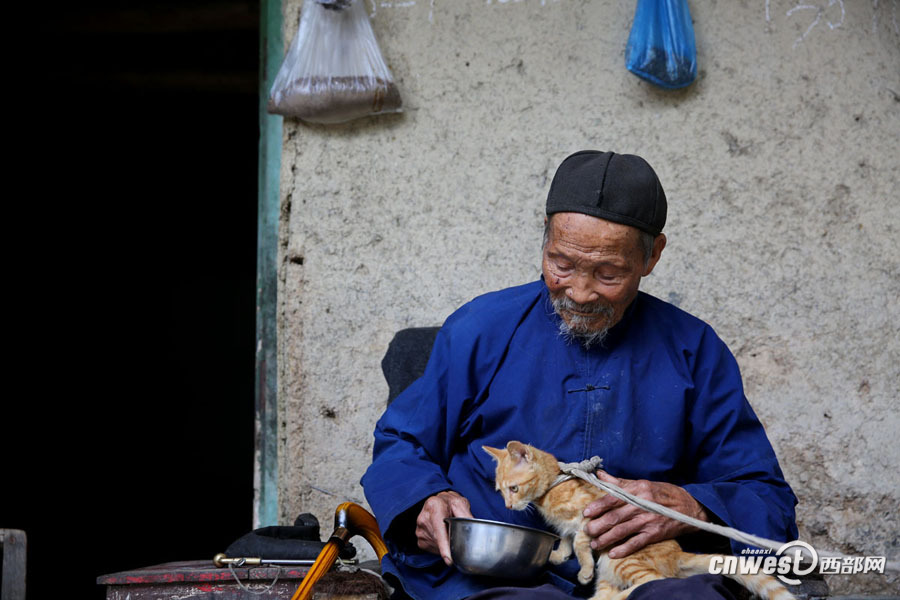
(265, 502)
(14, 548)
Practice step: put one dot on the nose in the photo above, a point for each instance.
(581, 290)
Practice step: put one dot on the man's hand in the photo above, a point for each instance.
(431, 531)
(625, 528)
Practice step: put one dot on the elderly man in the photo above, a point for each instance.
(578, 364)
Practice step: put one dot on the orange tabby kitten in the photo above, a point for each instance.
(526, 475)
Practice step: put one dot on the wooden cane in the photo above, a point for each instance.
(349, 519)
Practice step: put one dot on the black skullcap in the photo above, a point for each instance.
(617, 187)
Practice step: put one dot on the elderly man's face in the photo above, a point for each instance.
(592, 268)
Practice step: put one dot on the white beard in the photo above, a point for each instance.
(582, 328)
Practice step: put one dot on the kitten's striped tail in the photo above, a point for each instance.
(762, 586)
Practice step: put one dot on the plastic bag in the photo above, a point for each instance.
(333, 70)
(661, 47)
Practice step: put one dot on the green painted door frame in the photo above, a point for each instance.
(265, 476)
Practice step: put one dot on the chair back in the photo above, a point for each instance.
(406, 357)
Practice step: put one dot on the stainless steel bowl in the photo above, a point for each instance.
(503, 550)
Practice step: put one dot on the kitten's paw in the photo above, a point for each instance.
(585, 575)
(558, 558)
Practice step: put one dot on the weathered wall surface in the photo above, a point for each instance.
(781, 168)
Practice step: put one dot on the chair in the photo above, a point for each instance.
(406, 357)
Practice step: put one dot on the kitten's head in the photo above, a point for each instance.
(523, 474)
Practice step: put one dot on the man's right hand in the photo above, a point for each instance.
(431, 531)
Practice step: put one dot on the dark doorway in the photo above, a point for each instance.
(131, 441)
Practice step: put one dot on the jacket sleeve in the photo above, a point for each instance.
(733, 467)
(415, 436)
(419, 434)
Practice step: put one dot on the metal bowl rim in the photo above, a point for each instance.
(449, 520)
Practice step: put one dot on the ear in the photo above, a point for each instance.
(519, 451)
(658, 245)
(497, 453)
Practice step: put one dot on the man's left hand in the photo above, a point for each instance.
(623, 528)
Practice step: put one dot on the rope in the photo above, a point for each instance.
(248, 589)
(585, 470)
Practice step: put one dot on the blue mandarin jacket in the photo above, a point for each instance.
(662, 400)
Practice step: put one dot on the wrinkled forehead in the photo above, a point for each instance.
(587, 234)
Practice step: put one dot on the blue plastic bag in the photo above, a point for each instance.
(661, 46)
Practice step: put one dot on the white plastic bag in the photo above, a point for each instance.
(333, 70)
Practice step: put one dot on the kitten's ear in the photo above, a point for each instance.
(497, 453)
(519, 451)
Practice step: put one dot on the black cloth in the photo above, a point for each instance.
(406, 357)
(301, 541)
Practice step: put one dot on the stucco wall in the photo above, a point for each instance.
(781, 168)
